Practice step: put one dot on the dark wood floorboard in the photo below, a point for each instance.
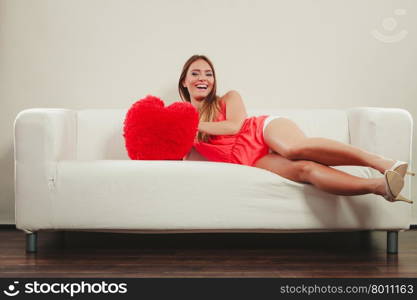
(93, 254)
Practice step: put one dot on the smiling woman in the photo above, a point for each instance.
(225, 135)
(277, 144)
(197, 83)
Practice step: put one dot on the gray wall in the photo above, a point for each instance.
(289, 54)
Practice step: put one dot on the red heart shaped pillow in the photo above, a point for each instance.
(155, 132)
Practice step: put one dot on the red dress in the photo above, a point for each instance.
(244, 148)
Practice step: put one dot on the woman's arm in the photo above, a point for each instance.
(235, 116)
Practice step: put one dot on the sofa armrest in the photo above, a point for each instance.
(384, 131)
(41, 138)
(45, 134)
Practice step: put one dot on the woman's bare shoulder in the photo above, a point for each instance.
(232, 94)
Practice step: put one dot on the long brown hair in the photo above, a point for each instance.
(210, 105)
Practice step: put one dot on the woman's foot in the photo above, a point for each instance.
(384, 164)
(401, 167)
(380, 186)
(394, 183)
(390, 187)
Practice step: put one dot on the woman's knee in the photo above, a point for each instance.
(304, 169)
(293, 151)
(285, 137)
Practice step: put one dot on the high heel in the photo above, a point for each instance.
(401, 168)
(402, 198)
(394, 183)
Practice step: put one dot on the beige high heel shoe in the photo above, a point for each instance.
(394, 183)
(401, 168)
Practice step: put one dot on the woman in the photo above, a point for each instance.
(277, 144)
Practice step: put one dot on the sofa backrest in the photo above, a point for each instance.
(100, 131)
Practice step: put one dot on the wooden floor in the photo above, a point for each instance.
(88, 254)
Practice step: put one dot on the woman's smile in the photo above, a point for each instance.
(199, 80)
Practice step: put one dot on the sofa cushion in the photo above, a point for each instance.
(185, 195)
(100, 131)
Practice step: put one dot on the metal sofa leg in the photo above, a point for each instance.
(32, 242)
(392, 242)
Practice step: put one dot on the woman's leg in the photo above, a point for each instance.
(323, 177)
(287, 139)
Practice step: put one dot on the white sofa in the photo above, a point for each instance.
(73, 173)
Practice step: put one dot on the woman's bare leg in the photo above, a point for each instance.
(287, 139)
(323, 177)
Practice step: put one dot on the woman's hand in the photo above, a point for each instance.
(202, 126)
(219, 128)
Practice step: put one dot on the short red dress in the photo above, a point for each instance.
(245, 147)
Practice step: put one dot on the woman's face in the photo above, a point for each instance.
(199, 79)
